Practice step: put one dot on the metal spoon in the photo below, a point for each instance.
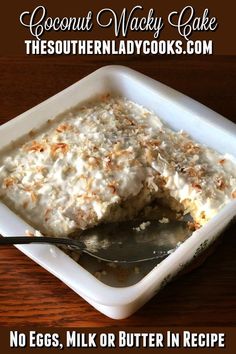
(123, 242)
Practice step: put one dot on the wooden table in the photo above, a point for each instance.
(29, 295)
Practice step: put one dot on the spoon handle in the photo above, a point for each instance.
(72, 244)
(23, 240)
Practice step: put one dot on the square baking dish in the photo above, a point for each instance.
(179, 112)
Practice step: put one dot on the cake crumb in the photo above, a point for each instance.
(33, 233)
(164, 220)
(142, 226)
(193, 226)
(100, 273)
(112, 265)
(29, 233)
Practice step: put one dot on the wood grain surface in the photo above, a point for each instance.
(29, 295)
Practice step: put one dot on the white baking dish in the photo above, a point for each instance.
(180, 112)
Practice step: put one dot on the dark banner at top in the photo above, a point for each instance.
(143, 28)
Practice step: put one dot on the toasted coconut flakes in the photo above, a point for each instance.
(82, 218)
(148, 155)
(9, 182)
(38, 184)
(82, 177)
(85, 155)
(27, 189)
(35, 147)
(88, 197)
(33, 197)
(191, 172)
(135, 162)
(220, 183)
(108, 162)
(190, 147)
(130, 121)
(89, 183)
(192, 225)
(59, 147)
(69, 169)
(154, 142)
(151, 184)
(234, 194)
(197, 186)
(221, 162)
(160, 181)
(41, 169)
(113, 187)
(179, 216)
(94, 161)
(201, 173)
(63, 127)
(123, 152)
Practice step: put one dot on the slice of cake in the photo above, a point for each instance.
(107, 161)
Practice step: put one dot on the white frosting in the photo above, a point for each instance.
(100, 155)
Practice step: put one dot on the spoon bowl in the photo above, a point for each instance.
(122, 242)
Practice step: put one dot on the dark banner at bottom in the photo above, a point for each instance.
(138, 339)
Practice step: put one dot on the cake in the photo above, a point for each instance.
(107, 161)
